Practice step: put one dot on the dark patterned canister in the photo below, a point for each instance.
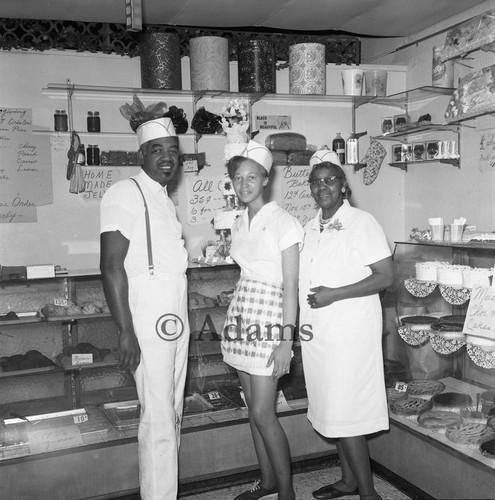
(256, 66)
(160, 61)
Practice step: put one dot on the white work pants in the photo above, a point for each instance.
(159, 312)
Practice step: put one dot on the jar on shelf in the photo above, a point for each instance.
(93, 155)
(60, 121)
(93, 121)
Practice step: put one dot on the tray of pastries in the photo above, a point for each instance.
(439, 419)
(470, 434)
(424, 388)
(409, 406)
(451, 400)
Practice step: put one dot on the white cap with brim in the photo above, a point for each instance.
(259, 154)
(324, 155)
(155, 129)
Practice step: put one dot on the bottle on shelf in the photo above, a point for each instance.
(93, 154)
(93, 121)
(338, 145)
(61, 121)
(352, 150)
(81, 155)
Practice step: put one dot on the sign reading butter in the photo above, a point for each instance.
(480, 316)
(273, 122)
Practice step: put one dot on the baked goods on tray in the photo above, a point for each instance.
(416, 323)
(453, 400)
(409, 406)
(447, 330)
(395, 395)
(469, 434)
(424, 388)
(438, 419)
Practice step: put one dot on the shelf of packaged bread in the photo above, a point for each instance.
(404, 164)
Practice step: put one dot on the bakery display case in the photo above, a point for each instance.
(446, 408)
(59, 384)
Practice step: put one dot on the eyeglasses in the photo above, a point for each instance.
(328, 181)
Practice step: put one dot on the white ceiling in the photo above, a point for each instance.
(360, 17)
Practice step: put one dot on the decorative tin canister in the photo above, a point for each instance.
(256, 63)
(160, 61)
(209, 60)
(307, 71)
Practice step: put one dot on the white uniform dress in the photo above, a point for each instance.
(159, 312)
(342, 342)
(251, 332)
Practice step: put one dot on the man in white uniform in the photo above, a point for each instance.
(143, 264)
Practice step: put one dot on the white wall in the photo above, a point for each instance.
(66, 232)
(442, 190)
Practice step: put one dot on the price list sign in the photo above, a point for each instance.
(204, 197)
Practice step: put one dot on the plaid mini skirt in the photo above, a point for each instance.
(253, 326)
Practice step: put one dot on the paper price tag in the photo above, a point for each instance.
(61, 302)
(79, 419)
(190, 166)
(82, 359)
(213, 395)
(401, 386)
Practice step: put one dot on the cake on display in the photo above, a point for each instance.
(427, 271)
(453, 275)
(235, 124)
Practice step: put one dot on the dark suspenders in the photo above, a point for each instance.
(151, 267)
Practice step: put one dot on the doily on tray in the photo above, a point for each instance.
(413, 337)
(419, 288)
(455, 296)
(481, 357)
(445, 346)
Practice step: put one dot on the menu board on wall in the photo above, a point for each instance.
(487, 149)
(25, 167)
(296, 195)
(204, 197)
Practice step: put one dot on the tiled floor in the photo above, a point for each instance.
(307, 476)
(304, 484)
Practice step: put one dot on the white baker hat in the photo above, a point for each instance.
(324, 155)
(259, 154)
(155, 129)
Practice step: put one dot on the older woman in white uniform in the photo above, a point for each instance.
(265, 244)
(345, 262)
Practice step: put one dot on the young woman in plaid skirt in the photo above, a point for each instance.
(265, 244)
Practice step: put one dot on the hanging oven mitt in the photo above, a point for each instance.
(373, 159)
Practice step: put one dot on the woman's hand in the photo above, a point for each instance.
(280, 358)
(322, 296)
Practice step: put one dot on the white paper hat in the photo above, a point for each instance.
(155, 129)
(259, 154)
(324, 155)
